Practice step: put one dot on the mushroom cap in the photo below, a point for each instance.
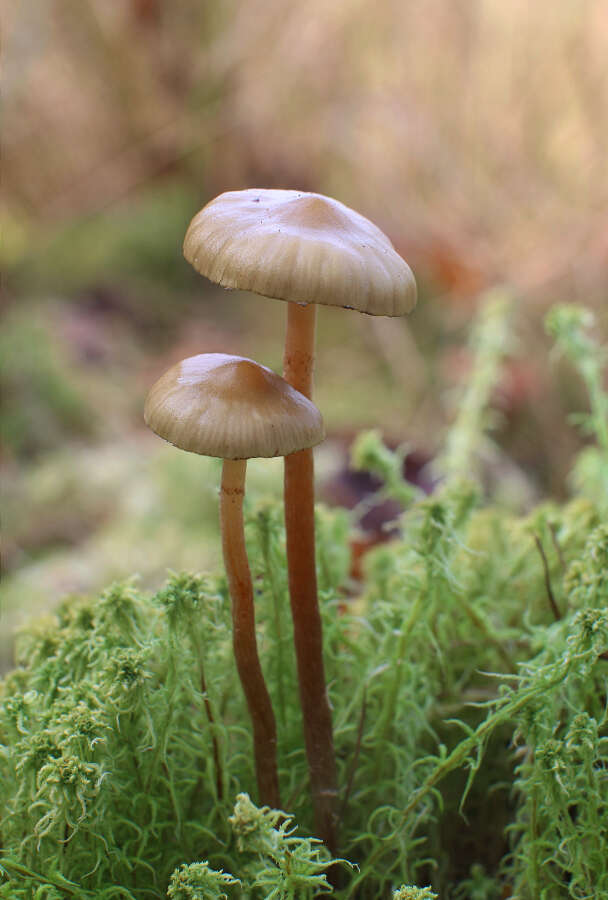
(231, 407)
(302, 247)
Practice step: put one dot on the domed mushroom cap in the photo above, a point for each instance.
(302, 247)
(231, 407)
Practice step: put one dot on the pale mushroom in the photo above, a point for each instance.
(233, 408)
(307, 249)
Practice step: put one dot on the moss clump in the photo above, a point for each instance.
(468, 675)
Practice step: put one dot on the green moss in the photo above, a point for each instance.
(468, 676)
(41, 400)
(139, 241)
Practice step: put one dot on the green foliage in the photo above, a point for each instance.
(198, 882)
(489, 343)
(136, 242)
(282, 866)
(414, 893)
(368, 452)
(468, 675)
(41, 400)
(479, 886)
(571, 326)
(99, 737)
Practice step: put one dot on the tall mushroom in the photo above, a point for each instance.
(233, 408)
(307, 249)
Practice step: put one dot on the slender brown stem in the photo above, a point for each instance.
(550, 596)
(308, 639)
(219, 778)
(299, 358)
(243, 632)
(219, 781)
(355, 759)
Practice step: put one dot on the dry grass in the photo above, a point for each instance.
(475, 132)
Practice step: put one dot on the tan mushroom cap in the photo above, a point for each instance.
(302, 247)
(231, 407)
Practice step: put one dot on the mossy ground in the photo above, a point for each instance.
(468, 676)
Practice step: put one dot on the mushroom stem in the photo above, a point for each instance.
(299, 358)
(243, 631)
(300, 536)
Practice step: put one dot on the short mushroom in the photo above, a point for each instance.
(308, 249)
(233, 408)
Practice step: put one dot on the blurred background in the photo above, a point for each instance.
(474, 132)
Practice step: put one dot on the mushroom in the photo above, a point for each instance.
(308, 249)
(231, 407)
